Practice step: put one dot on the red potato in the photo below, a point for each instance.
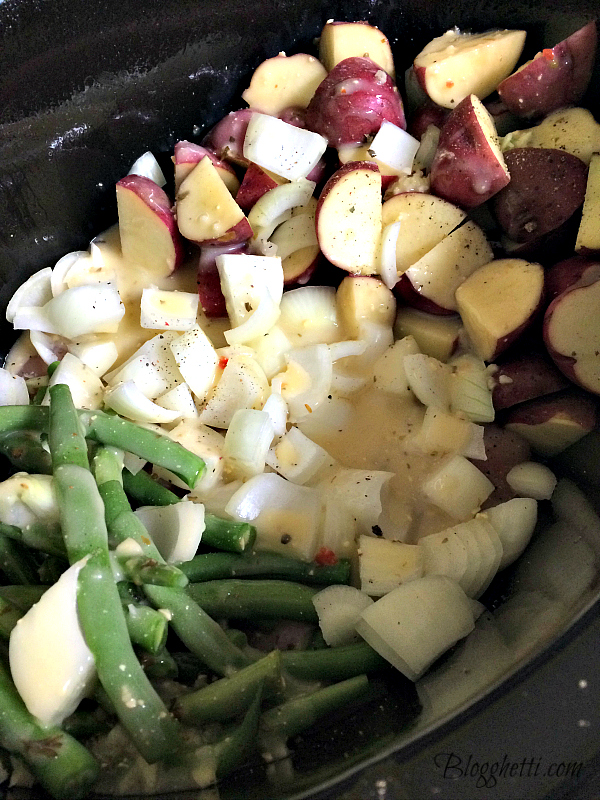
(436, 276)
(564, 274)
(468, 167)
(588, 236)
(284, 81)
(556, 77)
(299, 266)
(353, 101)
(425, 116)
(546, 188)
(348, 218)
(498, 302)
(206, 211)
(455, 65)
(187, 155)
(149, 237)
(341, 40)
(211, 297)
(226, 138)
(524, 377)
(360, 299)
(553, 423)
(572, 333)
(349, 152)
(504, 449)
(293, 116)
(256, 182)
(435, 336)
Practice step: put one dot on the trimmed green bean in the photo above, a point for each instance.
(225, 534)
(141, 570)
(147, 627)
(271, 599)
(25, 452)
(61, 764)
(226, 698)
(146, 491)
(122, 523)
(197, 630)
(9, 616)
(65, 432)
(216, 566)
(16, 562)
(332, 663)
(47, 538)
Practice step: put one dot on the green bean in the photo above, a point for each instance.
(107, 465)
(197, 630)
(112, 430)
(292, 717)
(215, 566)
(25, 452)
(225, 534)
(61, 764)
(141, 569)
(146, 491)
(16, 562)
(46, 537)
(271, 599)
(147, 627)
(9, 616)
(226, 698)
(160, 665)
(22, 596)
(65, 432)
(122, 523)
(332, 663)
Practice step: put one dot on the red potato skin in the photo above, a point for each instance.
(294, 116)
(546, 188)
(226, 139)
(555, 78)
(190, 153)
(524, 377)
(579, 407)
(352, 102)
(158, 200)
(254, 184)
(423, 117)
(211, 297)
(504, 450)
(405, 290)
(565, 274)
(465, 169)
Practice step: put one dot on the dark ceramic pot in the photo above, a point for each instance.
(84, 89)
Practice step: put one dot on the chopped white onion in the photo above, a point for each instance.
(49, 348)
(458, 488)
(148, 167)
(470, 393)
(395, 147)
(245, 279)
(152, 367)
(276, 407)
(515, 522)
(33, 318)
(58, 279)
(345, 385)
(360, 490)
(174, 310)
(531, 479)
(247, 442)
(282, 148)
(128, 401)
(338, 609)
(34, 293)
(89, 268)
(197, 360)
(329, 420)
(349, 347)
(205, 443)
(388, 371)
(387, 254)
(176, 530)
(429, 379)
(338, 527)
(309, 315)
(98, 354)
(243, 384)
(13, 389)
(259, 323)
(384, 565)
(307, 380)
(294, 234)
(86, 387)
(85, 309)
(297, 458)
(179, 399)
(271, 350)
(265, 214)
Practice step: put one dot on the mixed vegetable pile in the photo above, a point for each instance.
(267, 444)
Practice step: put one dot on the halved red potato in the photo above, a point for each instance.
(425, 220)
(498, 302)
(362, 298)
(468, 167)
(436, 276)
(572, 333)
(284, 81)
(551, 424)
(424, 116)
(352, 102)
(588, 236)
(436, 336)
(573, 130)
(185, 157)
(523, 377)
(150, 241)
(348, 218)
(341, 40)
(226, 138)
(564, 274)
(361, 152)
(206, 211)
(256, 182)
(504, 450)
(556, 77)
(546, 188)
(455, 65)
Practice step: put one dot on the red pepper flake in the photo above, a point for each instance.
(326, 557)
(548, 54)
(223, 362)
(449, 84)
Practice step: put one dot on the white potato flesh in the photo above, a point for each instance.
(384, 564)
(458, 488)
(588, 236)
(99, 354)
(341, 40)
(174, 310)
(50, 662)
(245, 279)
(435, 336)
(284, 81)
(388, 371)
(531, 479)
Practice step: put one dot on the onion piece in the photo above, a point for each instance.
(415, 623)
(179, 399)
(271, 350)
(86, 387)
(338, 527)
(458, 488)
(384, 565)
(346, 385)
(259, 323)
(58, 279)
(309, 315)
(276, 407)
(387, 254)
(282, 148)
(243, 384)
(176, 530)
(152, 367)
(247, 442)
(531, 479)
(360, 491)
(349, 347)
(307, 380)
(148, 167)
(204, 442)
(174, 310)
(429, 379)
(470, 393)
(34, 293)
(297, 458)
(272, 205)
(197, 360)
(99, 354)
(128, 401)
(13, 389)
(85, 309)
(514, 522)
(245, 279)
(338, 609)
(395, 148)
(388, 370)
(329, 421)
(49, 348)
(294, 234)
(89, 269)
(33, 318)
